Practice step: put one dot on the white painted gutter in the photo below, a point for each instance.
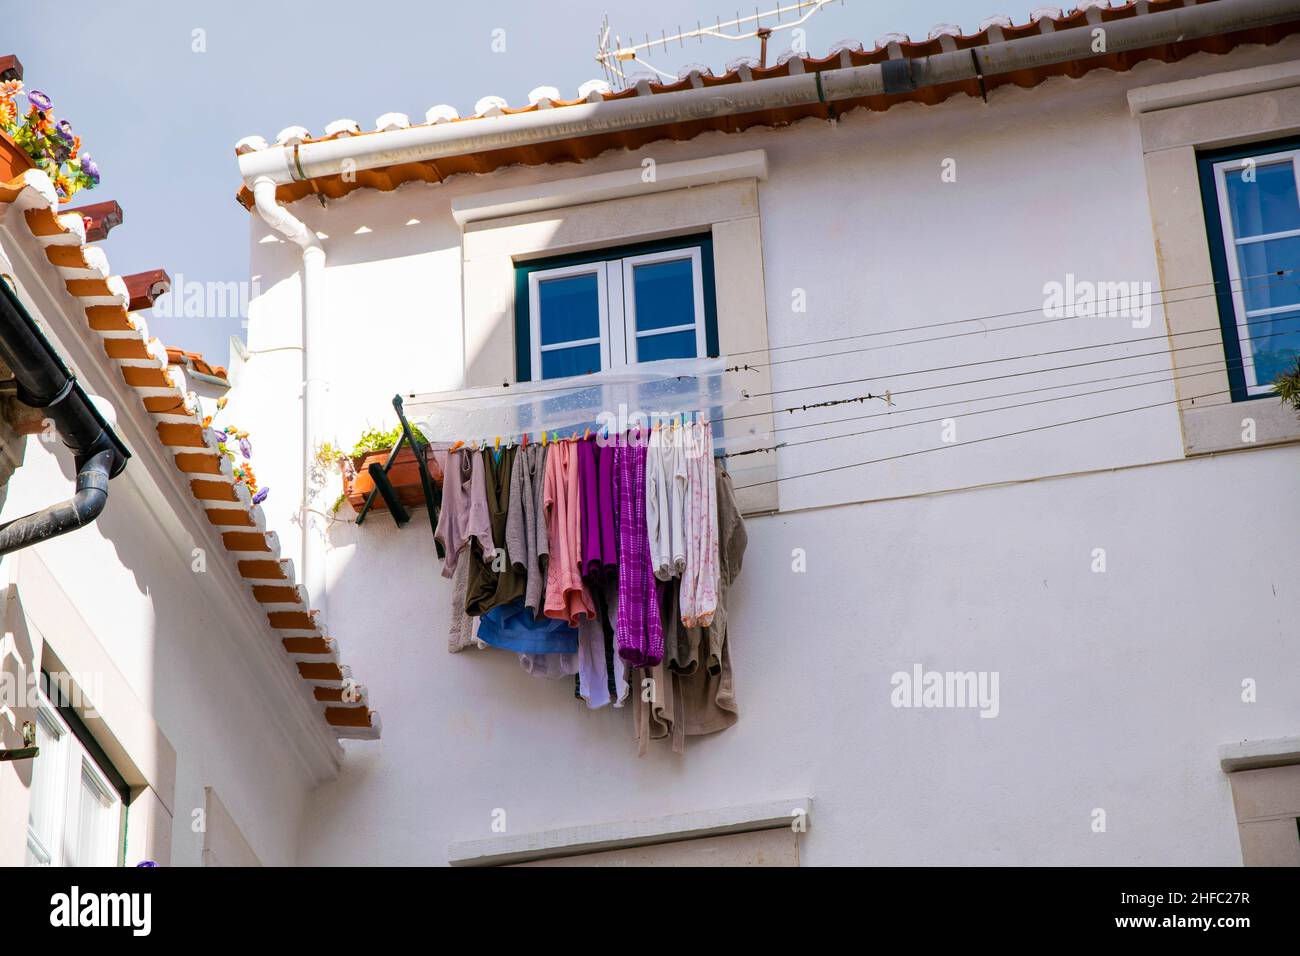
(313, 386)
(286, 164)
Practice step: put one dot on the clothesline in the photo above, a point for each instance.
(604, 558)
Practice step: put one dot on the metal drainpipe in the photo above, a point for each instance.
(45, 382)
(313, 387)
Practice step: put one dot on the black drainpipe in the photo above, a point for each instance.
(45, 383)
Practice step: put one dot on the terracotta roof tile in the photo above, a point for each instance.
(845, 54)
(144, 365)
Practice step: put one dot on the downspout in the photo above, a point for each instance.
(313, 384)
(44, 382)
(430, 142)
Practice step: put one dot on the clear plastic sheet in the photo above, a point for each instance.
(613, 401)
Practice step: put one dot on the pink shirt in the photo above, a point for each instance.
(566, 598)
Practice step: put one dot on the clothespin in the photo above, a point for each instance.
(496, 445)
(523, 440)
(889, 397)
(455, 445)
(586, 434)
(543, 439)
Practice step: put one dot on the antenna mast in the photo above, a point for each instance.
(749, 27)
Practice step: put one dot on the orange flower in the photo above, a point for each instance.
(11, 88)
(8, 112)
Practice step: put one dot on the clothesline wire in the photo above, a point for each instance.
(997, 378)
(1272, 276)
(973, 441)
(994, 378)
(1275, 275)
(942, 338)
(947, 417)
(1029, 355)
(1025, 391)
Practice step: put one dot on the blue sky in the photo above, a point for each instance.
(161, 120)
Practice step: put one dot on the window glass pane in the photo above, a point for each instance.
(45, 813)
(1273, 344)
(665, 294)
(96, 824)
(1259, 263)
(570, 308)
(650, 348)
(1268, 204)
(575, 361)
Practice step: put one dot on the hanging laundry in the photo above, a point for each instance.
(666, 489)
(527, 539)
(464, 515)
(596, 485)
(699, 592)
(638, 629)
(460, 631)
(602, 675)
(550, 666)
(688, 699)
(494, 579)
(566, 598)
(514, 628)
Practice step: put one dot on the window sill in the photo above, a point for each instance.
(570, 841)
(1218, 428)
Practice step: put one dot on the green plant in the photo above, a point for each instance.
(377, 439)
(328, 454)
(1287, 386)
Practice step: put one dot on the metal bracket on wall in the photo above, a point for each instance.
(384, 487)
(29, 748)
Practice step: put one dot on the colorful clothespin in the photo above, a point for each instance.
(586, 434)
(456, 444)
(543, 439)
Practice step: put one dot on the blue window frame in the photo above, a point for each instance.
(582, 313)
(1251, 197)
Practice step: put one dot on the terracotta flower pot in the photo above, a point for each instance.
(14, 160)
(404, 476)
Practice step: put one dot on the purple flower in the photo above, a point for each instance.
(39, 100)
(90, 168)
(261, 495)
(146, 863)
(219, 436)
(64, 129)
(245, 448)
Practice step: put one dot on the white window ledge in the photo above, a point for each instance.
(1257, 754)
(569, 841)
(579, 190)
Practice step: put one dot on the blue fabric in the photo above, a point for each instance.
(512, 627)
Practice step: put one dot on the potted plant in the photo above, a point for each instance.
(1287, 386)
(375, 445)
(37, 139)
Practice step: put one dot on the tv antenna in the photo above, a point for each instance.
(749, 27)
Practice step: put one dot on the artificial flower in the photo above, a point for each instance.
(39, 100)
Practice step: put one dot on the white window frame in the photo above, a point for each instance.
(535, 279)
(615, 279)
(71, 761)
(631, 333)
(1231, 244)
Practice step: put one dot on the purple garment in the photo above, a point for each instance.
(596, 486)
(638, 630)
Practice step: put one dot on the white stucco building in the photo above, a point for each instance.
(1078, 497)
(1083, 501)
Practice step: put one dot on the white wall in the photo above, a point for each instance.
(1116, 687)
(168, 633)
